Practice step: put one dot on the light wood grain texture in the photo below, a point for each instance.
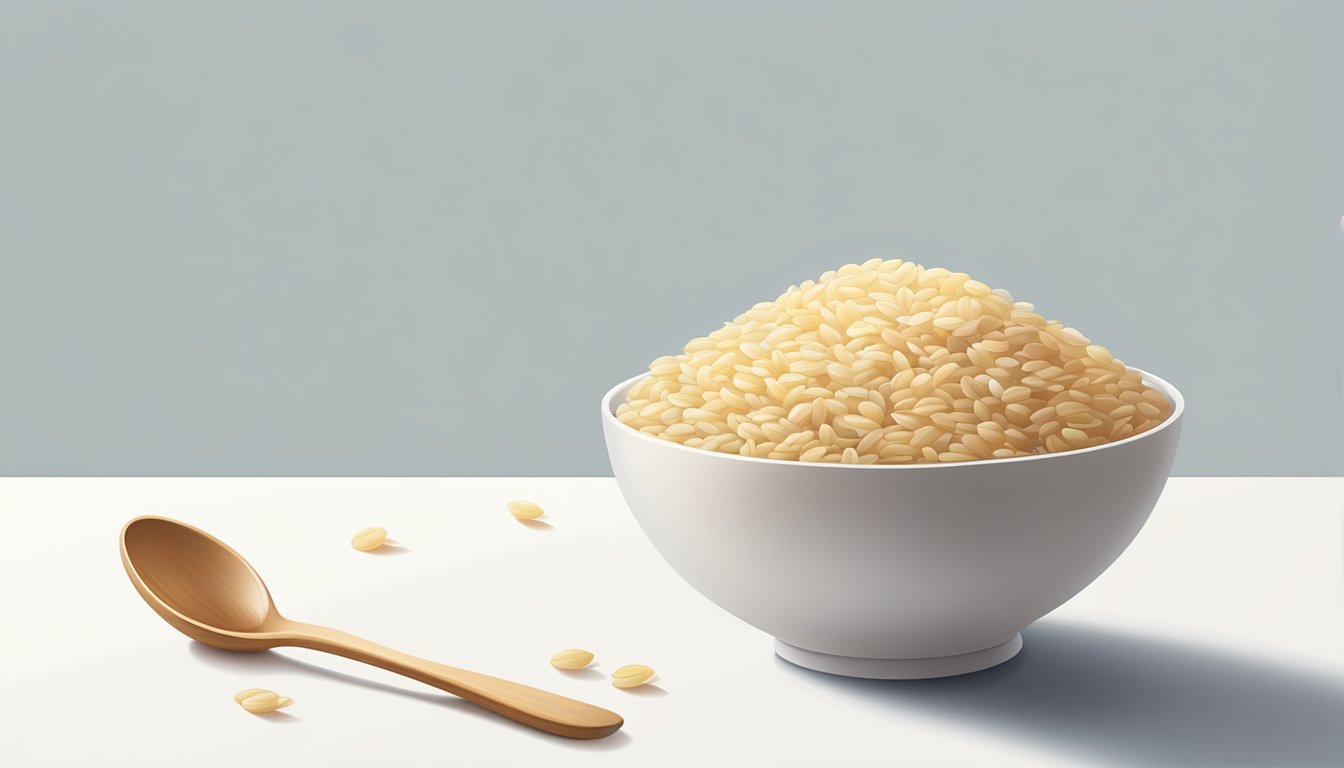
(209, 593)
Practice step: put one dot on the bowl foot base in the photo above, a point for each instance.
(900, 669)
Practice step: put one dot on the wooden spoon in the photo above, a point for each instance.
(207, 591)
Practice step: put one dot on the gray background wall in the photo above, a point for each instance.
(423, 238)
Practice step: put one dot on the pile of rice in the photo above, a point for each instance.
(891, 363)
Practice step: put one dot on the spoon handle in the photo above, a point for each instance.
(531, 706)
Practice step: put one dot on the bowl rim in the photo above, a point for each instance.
(1162, 385)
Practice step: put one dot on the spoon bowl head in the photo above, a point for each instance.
(197, 583)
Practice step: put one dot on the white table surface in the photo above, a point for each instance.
(1217, 638)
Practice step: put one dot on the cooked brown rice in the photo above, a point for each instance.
(891, 363)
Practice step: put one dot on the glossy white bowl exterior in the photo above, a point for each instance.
(891, 561)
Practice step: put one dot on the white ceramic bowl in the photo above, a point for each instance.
(891, 571)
